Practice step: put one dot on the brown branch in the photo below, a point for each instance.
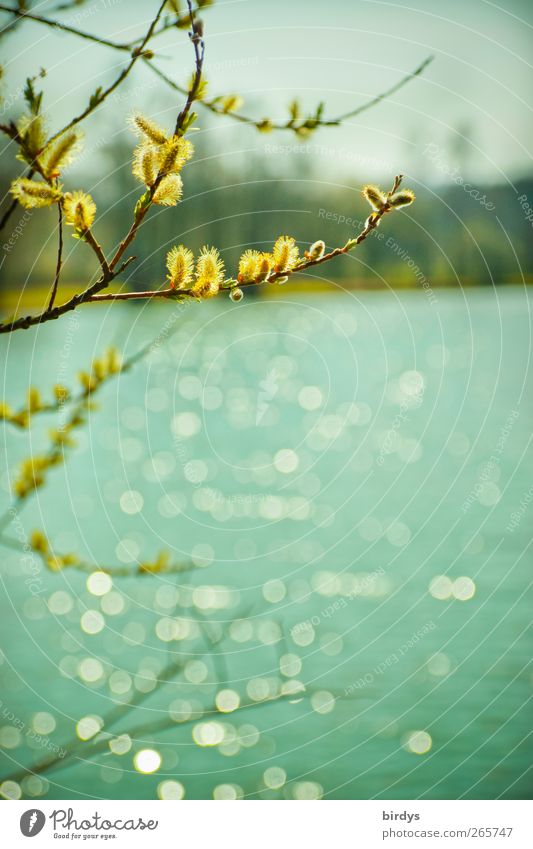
(59, 258)
(132, 232)
(9, 212)
(91, 241)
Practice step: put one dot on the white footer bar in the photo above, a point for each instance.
(272, 824)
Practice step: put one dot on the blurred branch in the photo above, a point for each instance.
(100, 372)
(88, 749)
(57, 562)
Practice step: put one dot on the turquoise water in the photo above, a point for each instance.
(350, 476)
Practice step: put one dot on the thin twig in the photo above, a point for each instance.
(68, 399)
(199, 53)
(21, 14)
(59, 257)
(86, 568)
(384, 95)
(31, 16)
(89, 238)
(213, 105)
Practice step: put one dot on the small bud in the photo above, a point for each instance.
(316, 250)
(198, 27)
(236, 295)
(265, 126)
(231, 103)
(39, 542)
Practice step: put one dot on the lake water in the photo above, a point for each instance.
(350, 475)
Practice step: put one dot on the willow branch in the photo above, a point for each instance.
(86, 568)
(91, 241)
(59, 258)
(173, 294)
(214, 106)
(91, 295)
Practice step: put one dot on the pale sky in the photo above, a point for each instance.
(344, 51)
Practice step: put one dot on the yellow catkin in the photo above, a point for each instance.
(32, 130)
(79, 210)
(317, 250)
(149, 129)
(375, 197)
(169, 191)
(61, 153)
(403, 198)
(266, 264)
(249, 266)
(180, 264)
(285, 253)
(145, 164)
(209, 273)
(32, 194)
